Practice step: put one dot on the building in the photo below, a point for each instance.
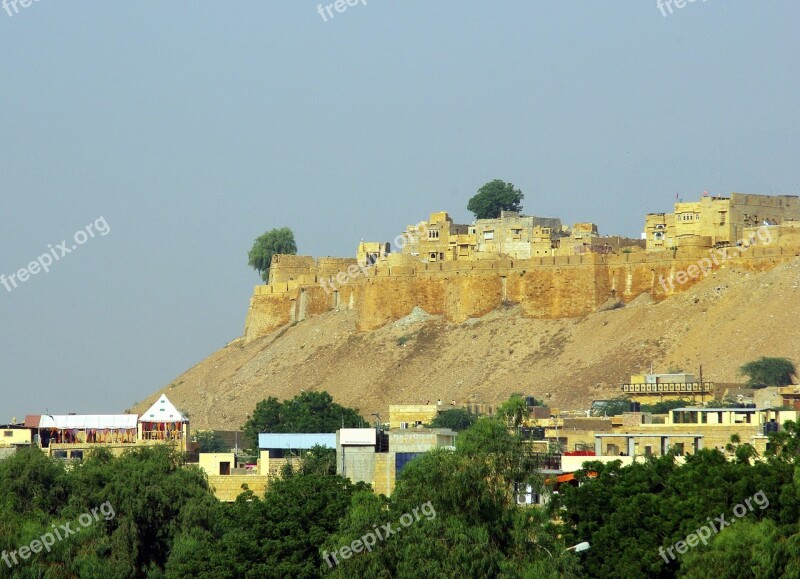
(276, 450)
(163, 423)
(651, 388)
(227, 479)
(14, 435)
(371, 252)
(69, 436)
(413, 415)
(518, 236)
(718, 220)
(364, 454)
(439, 239)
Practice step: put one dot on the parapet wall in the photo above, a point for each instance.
(547, 287)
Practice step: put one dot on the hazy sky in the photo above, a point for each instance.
(192, 127)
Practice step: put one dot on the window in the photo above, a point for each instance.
(8, 433)
(488, 235)
(659, 236)
(404, 425)
(433, 234)
(401, 459)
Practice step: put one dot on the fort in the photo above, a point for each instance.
(465, 271)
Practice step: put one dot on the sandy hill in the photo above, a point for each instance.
(728, 319)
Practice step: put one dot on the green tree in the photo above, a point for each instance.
(274, 241)
(664, 406)
(494, 197)
(274, 537)
(613, 407)
(318, 460)
(307, 412)
(456, 419)
(514, 410)
(210, 441)
(470, 526)
(768, 372)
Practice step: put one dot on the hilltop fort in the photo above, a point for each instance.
(461, 271)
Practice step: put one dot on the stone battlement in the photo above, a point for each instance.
(545, 287)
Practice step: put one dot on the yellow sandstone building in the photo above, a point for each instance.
(718, 220)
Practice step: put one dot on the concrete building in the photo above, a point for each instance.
(360, 455)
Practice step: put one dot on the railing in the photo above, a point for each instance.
(547, 461)
(162, 436)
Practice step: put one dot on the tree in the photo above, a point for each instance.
(494, 197)
(664, 406)
(768, 372)
(471, 525)
(457, 419)
(306, 412)
(275, 241)
(514, 410)
(210, 441)
(613, 407)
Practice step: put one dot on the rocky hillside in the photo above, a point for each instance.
(728, 319)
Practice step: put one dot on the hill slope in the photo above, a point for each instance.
(728, 319)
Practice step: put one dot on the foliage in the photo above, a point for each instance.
(274, 241)
(144, 494)
(628, 513)
(514, 410)
(768, 372)
(210, 441)
(319, 460)
(274, 537)
(471, 526)
(307, 412)
(456, 419)
(664, 406)
(494, 197)
(613, 407)
(459, 505)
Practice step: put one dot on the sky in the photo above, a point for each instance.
(180, 131)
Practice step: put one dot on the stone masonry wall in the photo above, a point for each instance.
(549, 287)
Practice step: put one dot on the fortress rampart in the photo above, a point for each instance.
(544, 287)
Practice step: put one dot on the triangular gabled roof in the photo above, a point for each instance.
(163, 411)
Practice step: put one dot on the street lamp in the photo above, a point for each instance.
(579, 548)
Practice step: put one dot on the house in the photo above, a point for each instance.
(276, 449)
(364, 454)
(163, 423)
(69, 436)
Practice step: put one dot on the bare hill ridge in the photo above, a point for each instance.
(729, 318)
